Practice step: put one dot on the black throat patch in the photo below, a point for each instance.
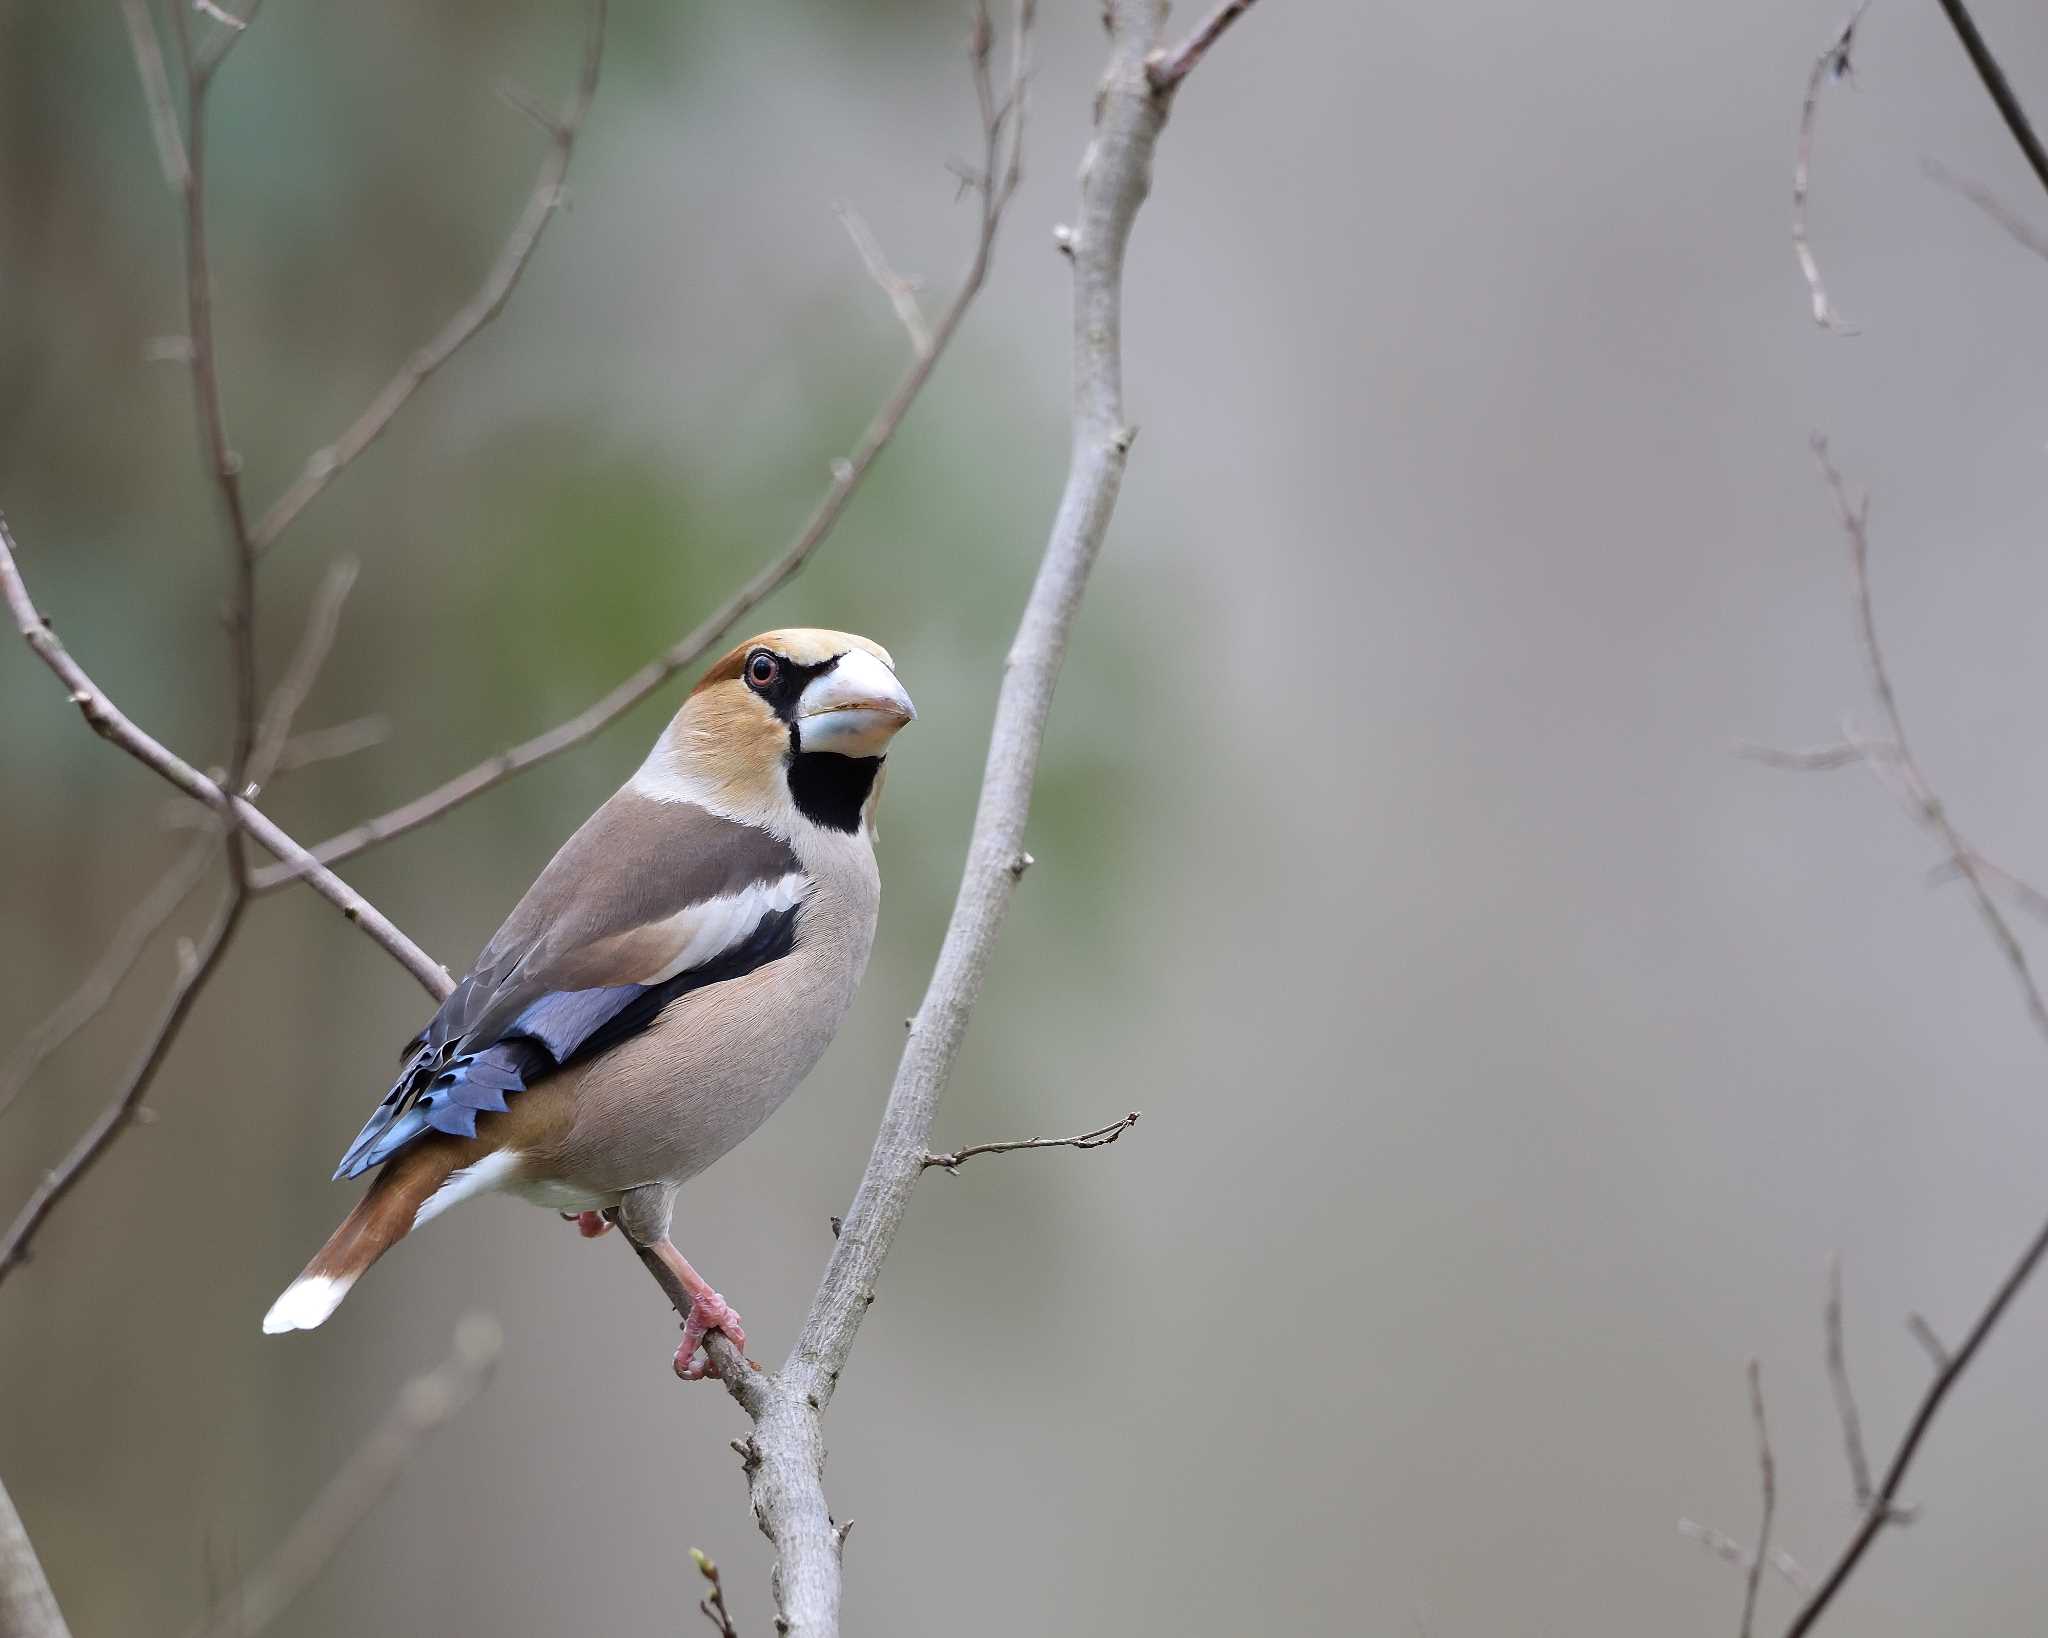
(830, 789)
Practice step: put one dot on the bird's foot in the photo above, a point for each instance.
(589, 1224)
(708, 1312)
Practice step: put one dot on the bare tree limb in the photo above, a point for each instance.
(425, 1404)
(2017, 226)
(1726, 1548)
(1838, 1381)
(1003, 136)
(1923, 1333)
(1999, 87)
(784, 1458)
(224, 465)
(334, 742)
(1884, 1509)
(901, 292)
(148, 916)
(108, 721)
(325, 464)
(28, 1609)
(156, 91)
(1768, 1469)
(131, 938)
(1921, 800)
(127, 1102)
(1166, 69)
(273, 729)
(1831, 64)
(1100, 1138)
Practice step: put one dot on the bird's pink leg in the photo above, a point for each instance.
(591, 1224)
(708, 1312)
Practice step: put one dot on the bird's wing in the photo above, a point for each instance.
(647, 901)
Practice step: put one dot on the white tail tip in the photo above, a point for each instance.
(306, 1302)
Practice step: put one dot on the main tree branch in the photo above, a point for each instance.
(784, 1459)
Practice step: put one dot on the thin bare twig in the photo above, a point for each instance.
(1810, 759)
(223, 464)
(1831, 64)
(274, 728)
(131, 938)
(1922, 802)
(121, 1112)
(1101, 1137)
(1768, 1469)
(425, 1404)
(1003, 150)
(713, 1603)
(2021, 230)
(156, 91)
(108, 721)
(1845, 1397)
(332, 743)
(1924, 1334)
(1725, 1547)
(1999, 87)
(1166, 69)
(901, 292)
(325, 464)
(1884, 1509)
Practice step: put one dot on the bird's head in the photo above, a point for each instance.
(798, 718)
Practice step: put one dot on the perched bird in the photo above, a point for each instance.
(674, 972)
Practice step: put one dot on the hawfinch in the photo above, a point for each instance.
(678, 967)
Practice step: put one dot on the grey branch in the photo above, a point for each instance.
(1998, 88)
(1925, 1335)
(901, 292)
(423, 1405)
(1767, 1468)
(1726, 1548)
(2022, 231)
(113, 725)
(1101, 1137)
(323, 623)
(1003, 135)
(108, 721)
(1167, 69)
(784, 1458)
(1831, 64)
(156, 91)
(1883, 1509)
(28, 1609)
(122, 1111)
(326, 464)
(130, 939)
(1838, 1381)
(1919, 796)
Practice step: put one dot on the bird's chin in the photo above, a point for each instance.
(849, 731)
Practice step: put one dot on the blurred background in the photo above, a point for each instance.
(1512, 1055)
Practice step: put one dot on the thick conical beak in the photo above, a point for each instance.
(854, 709)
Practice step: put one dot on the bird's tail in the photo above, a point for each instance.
(382, 1218)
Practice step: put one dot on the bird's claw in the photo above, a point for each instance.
(707, 1313)
(589, 1224)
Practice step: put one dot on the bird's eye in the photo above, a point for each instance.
(763, 669)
